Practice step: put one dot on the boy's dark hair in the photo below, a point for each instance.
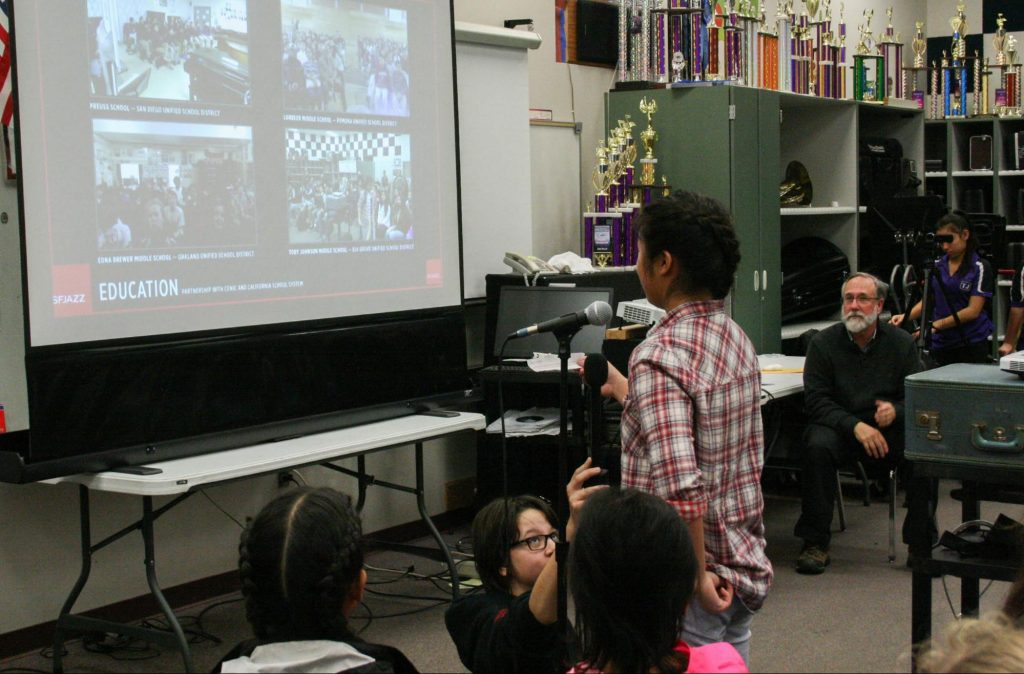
(698, 232)
(495, 529)
(298, 560)
(632, 570)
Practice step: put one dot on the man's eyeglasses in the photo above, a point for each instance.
(859, 299)
(538, 542)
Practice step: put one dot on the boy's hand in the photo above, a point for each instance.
(714, 592)
(578, 494)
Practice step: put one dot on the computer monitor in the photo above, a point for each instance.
(521, 306)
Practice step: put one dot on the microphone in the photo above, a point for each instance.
(595, 374)
(598, 313)
(595, 370)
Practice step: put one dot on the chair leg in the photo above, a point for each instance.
(864, 480)
(840, 504)
(892, 515)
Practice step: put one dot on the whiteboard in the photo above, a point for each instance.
(494, 149)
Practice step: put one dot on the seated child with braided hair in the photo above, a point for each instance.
(301, 565)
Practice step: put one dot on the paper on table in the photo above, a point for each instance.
(549, 362)
(534, 421)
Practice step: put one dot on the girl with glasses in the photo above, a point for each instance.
(511, 626)
(962, 283)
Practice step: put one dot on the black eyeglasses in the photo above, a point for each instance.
(538, 542)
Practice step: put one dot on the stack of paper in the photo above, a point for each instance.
(534, 421)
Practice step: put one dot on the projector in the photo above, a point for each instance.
(640, 311)
(1013, 362)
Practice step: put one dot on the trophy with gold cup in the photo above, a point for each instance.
(601, 227)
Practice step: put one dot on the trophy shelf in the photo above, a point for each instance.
(975, 174)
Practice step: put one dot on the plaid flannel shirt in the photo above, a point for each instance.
(692, 434)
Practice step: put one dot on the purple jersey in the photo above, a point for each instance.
(974, 278)
(1017, 299)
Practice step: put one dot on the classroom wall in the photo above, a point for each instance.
(39, 526)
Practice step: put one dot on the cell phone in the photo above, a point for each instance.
(137, 470)
(438, 413)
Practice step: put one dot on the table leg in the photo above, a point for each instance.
(154, 586)
(422, 505)
(920, 611)
(83, 577)
(970, 509)
(361, 465)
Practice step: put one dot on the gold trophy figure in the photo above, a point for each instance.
(601, 177)
(999, 40)
(647, 138)
(627, 133)
(867, 40)
(919, 45)
(959, 25)
(614, 157)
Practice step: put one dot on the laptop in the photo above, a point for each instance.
(522, 306)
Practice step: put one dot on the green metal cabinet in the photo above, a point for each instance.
(723, 141)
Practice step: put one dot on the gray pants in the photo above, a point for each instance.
(731, 625)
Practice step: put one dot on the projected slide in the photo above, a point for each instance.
(169, 50)
(168, 185)
(234, 163)
(345, 56)
(358, 191)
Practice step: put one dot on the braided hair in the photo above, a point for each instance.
(298, 561)
(698, 232)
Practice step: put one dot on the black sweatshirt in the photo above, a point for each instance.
(495, 632)
(841, 382)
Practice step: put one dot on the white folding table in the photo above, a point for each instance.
(182, 478)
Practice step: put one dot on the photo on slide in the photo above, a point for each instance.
(348, 186)
(169, 50)
(345, 56)
(163, 185)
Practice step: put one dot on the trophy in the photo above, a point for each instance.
(841, 69)
(868, 66)
(601, 227)
(634, 41)
(1013, 74)
(647, 138)
(601, 178)
(783, 26)
(768, 56)
(812, 10)
(955, 75)
(999, 40)
(920, 47)
(892, 52)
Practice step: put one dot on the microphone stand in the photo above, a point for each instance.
(564, 338)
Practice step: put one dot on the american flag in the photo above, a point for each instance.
(6, 99)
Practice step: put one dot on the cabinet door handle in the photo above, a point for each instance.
(757, 279)
(764, 279)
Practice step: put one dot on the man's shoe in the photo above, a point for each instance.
(812, 560)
